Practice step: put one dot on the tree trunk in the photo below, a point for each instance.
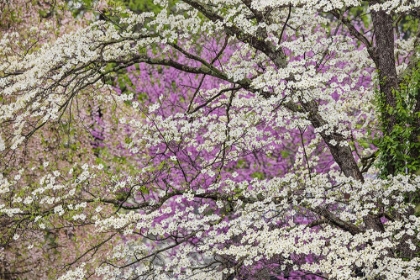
(383, 56)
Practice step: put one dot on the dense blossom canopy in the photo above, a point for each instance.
(214, 140)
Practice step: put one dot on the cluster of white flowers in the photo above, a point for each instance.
(396, 6)
(261, 238)
(75, 274)
(307, 4)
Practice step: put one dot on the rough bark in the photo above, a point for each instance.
(341, 154)
(385, 63)
(415, 134)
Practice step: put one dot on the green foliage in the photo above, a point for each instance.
(78, 7)
(141, 5)
(408, 25)
(285, 154)
(400, 146)
(361, 12)
(258, 175)
(241, 163)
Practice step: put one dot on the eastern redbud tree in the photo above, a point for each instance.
(255, 140)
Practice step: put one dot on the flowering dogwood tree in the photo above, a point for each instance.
(27, 251)
(246, 143)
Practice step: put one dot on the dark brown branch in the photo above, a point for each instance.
(322, 211)
(285, 23)
(213, 98)
(353, 31)
(277, 56)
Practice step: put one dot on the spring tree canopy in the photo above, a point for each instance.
(256, 139)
